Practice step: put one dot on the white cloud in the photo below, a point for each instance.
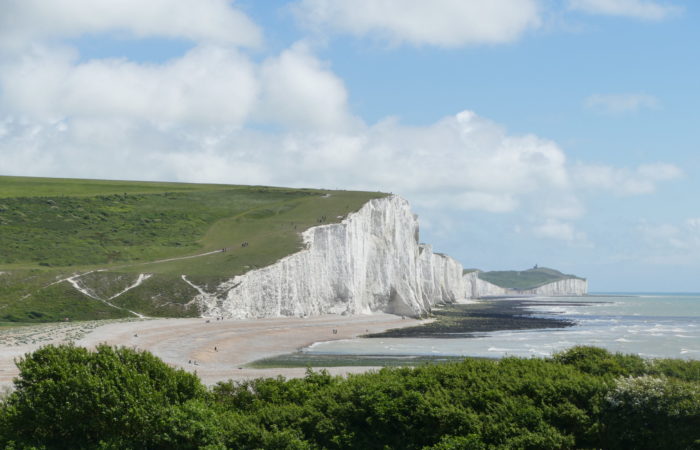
(659, 171)
(637, 9)
(620, 103)
(564, 205)
(208, 85)
(562, 231)
(621, 181)
(483, 201)
(663, 235)
(462, 161)
(192, 118)
(211, 21)
(444, 23)
(693, 224)
(671, 243)
(299, 91)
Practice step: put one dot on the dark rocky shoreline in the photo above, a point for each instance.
(473, 319)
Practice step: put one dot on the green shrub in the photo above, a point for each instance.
(600, 362)
(69, 397)
(510, 403)
(651, 413)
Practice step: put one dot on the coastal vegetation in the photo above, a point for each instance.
(524, 279)
(112, 231)
(69, 397)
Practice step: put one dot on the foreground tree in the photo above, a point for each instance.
(70, 397)
(652, 413)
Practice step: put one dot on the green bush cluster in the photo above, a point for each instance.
(69, 397)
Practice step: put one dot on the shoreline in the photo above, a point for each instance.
(455, 321)
(465, 320)
(217, 350)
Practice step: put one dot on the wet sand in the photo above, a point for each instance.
(216, 350)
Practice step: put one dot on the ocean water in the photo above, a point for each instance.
(650, 325)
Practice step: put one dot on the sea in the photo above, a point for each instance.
(652, 325)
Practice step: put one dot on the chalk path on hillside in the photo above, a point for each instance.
(237, 342)
(73, 280)
(174, 259)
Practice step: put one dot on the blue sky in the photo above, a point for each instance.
(559, 133)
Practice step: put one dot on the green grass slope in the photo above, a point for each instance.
(524, 279)
(51, 229)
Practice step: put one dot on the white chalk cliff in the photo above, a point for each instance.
(370, 262)
(567, 287)
(478, 288)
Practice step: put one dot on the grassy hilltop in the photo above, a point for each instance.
(524, 279)
(52, 229)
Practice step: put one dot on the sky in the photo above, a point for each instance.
(563, 133)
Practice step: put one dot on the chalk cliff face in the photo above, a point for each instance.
(568, 287)
(478, 288)
(370, 262)
(440, 277)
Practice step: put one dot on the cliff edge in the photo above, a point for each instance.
(370, 262)
(101, 249)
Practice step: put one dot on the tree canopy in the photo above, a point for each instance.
(70, 397)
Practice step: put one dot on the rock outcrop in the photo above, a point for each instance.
(369, 262)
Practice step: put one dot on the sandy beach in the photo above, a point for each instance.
(216, 349)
